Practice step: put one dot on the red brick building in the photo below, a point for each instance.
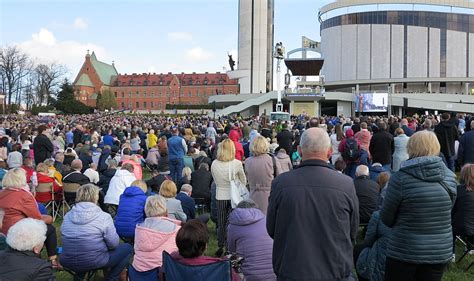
(148, 91)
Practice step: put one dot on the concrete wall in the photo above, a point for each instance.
(344, 108)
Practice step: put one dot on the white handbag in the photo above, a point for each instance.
(238, 191)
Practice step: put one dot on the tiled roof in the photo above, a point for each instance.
(84, 80)
(148, 79)
(105, 71)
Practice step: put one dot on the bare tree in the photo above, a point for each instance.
(14, 66)
(48, 79)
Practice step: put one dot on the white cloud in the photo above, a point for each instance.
(80, 23)
(198, 54)
(180, 36)
(44, 48)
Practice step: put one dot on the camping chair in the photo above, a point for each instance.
(468, 248)
(86, 276)
(173, 270)
(69, 197)
(200, 205)
(48, 189)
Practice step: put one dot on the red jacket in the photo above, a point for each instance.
(17, 204)
(239, 149)
(44, 197)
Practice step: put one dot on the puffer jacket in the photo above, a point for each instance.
(87, 235)
(371, 261)
(130, 211)
(118, 183)
(248, 238)
(418, 207)
(150, 244)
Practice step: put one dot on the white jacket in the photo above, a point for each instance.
(118, 183)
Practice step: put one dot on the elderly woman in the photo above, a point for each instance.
(155, 235)
(463, 216)
(400, 153)
(224, 165)
(21, 261)
(130, 209)
(247, 237)
(417, 206)
(192, 240)
(44, 176)
(89, 237)
(175, 210)
(261, 169)
(18, 203)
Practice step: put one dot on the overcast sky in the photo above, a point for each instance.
(144, 35)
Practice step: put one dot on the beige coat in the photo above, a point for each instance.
(220, 173)
(260, 176)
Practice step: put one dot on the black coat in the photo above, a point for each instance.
(447, 133)
(381, 147)
(24, 266)
(76, 177)
(104, 179)
(285, 140)
(43, 148)
(155, 182)
(463, 216)
(201, 181)
(313, 217)
(466, 148)
(367, 192)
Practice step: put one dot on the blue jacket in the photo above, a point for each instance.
(87, 235)
(130, 211)
(466, 148)
(418, 207)
(175, 148)
(189, 206)
(371, 261)
(108, 140)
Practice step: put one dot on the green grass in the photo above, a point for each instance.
(455, 272)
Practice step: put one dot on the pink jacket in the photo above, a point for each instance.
(150, 244)
(137, 168)
(363, 137)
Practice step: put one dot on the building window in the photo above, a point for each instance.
(123, 104)
(137, 104)
(130, 105)
(144, 104)
(161, 82)
(205, 81)
(129, 94)
(138, 94)
(144, 94)
(115, 94)
(131, 83)
(159, 94)
(190, 94)
(123, 95)
(151, 105)
(152, 94)
(230, 92)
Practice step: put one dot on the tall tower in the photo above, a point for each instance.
(255, 62)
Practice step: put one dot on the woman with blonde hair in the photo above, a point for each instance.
(156, 234)
(224, 165)
(418, 206)
(185, 177)
(44, 176)
(175, 210)
(463, 216)
(261, 169)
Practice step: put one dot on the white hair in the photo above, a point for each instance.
(14, 178)
(186, 188)
(26, 234)
(362, 170)
(315, 140)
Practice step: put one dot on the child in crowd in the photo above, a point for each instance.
(15, 159)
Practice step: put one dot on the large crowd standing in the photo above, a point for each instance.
(314, 184)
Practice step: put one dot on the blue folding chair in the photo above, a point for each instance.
(150, 275)
(175, 271)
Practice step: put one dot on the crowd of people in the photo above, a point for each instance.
(315, 184)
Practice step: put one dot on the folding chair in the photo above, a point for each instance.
(48, 190)
(86, 276)
(69, 194)
(174, 271)
(150, 275)
(468, 248)
(200, 205)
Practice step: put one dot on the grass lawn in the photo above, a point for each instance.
(454, 272)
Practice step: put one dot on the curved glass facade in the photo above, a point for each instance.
(447, 21)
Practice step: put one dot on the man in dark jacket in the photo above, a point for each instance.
(466, 147)
(404, 125)
(381, 146)
(447, 134)
(367, 192)
(187, 202)
(313, 216)
(285, 139)
(42, 145)
(201, 180)
(75, 176)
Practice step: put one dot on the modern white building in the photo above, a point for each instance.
(255, 63)
(414, 46)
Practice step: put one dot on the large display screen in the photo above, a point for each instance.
(371, 102)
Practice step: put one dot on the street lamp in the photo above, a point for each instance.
(279, 54)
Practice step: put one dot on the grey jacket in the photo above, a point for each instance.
(175, 210)
(418, 207)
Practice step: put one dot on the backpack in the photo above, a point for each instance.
(351, 150)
